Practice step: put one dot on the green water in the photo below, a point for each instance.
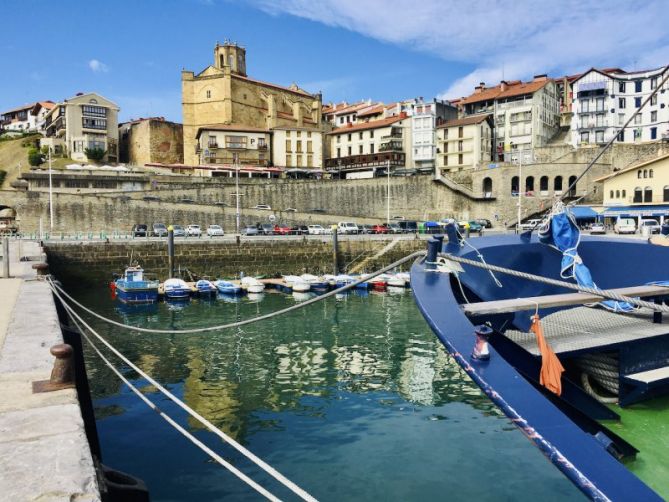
(352, 399)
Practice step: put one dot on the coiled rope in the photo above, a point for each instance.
(251, 320)
(248, 454)
(604, 293)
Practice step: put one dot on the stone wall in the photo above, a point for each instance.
(96, 262)
(151, 140)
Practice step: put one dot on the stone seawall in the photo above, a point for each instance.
(96, 261)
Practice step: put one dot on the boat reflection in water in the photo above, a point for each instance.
(255, 297)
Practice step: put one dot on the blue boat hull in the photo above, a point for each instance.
(614, 263)
(136, 295)
(178, 294)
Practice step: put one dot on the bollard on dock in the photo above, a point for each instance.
(62, 374)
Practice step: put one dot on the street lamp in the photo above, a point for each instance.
(388, 193)
(520, 185)
(237, 195)
(50, 195)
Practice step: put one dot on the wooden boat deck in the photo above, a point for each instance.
(585, 328)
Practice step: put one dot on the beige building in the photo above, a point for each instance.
(230, 146)
(357, 151)
(222, 95)
(297, 148)
(464, 144)
(84, 121)
(646, 183)
(148, 140)
(86, 181)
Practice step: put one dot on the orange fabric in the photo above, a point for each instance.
(551, 367)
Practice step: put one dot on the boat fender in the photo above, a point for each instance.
(118, 486)
(481, 350)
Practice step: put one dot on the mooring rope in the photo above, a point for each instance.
(245, 321)
(215, 456)
(604, 293)
(248, 454)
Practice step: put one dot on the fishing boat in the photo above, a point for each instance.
(362, 285)
(252, 285)
(205, 288)
(560, 364)
(343, 280)
(316, 283)
(176, 289)
(380, 282)
(133, 288)
(396, 281)
(296, 283)
(227, 287)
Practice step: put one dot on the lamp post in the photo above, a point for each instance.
(50, 195)
(388, 193)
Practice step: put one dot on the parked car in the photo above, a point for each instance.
(193, 231)
(316, 230)
(652, 225)
(346, 227)
(530, 224)
(249, 230)
(282, 230)
(159, 230)
(178, 231)
(151, 198)
(598, 228)
(263, 207)
(397, 217)
(474, 226)
(265, 229)
(366, 229)
(408, 226)
(394, 228)
(379, 228)
(139, 230)
(463, 226)
(221, 203)
(290, 210)
(214, 230)
(300, 230)
(625, 226)
(485, 223)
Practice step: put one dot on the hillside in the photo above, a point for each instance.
(13, 158)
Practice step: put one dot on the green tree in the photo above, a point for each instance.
(35, 158)
(95, 154)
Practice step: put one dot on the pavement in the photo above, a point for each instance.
(44, 453)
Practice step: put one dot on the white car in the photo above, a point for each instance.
(262, 207)
(598, 228)
(530, 225)
(652, 225)
(346, 227)
(193, 231)
(290, 210)
(316, 230)
(213, 230)
(625, 226)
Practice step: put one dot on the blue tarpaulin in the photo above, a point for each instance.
(583, 212)
(431, 224)
(659, 210)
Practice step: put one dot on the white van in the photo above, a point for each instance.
(652, 226)
(346, 227)
(625, 226)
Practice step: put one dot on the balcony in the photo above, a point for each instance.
(236, 146)
(56, 128)
(262, 147)
(242, 161)
(368, 160)
(212, 145)
(391, 146)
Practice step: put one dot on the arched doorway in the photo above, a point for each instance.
(8, 221)
(557, 185)
(515, 186)
(529, 185)
(543, 185)
(572, 189)
(487, 187)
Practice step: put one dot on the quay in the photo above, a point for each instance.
(44, 450)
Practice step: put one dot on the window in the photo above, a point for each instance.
(621, 118)
(445, 160)
(653, 133)
(299, 160)
(93, 111)
(104, 184)
(310, 160)
(309, 150)
(360, 149)
(585, 105)
(371, 134)
(621, 86)
(514, 185)
(650, 173)
(349, 136)
(529, 184)
(360, 135)
(624, 194)
(350, 151)
(338, 152)
(653, 82)
(637, 85)
(338, 138)
(211, 142)
(308, 134)
(599, 121)
(584, 121)
(666, 194)
(371, 148)
(557, 183)
(235, 142)
(289, 160)
(299, 146)
(637, 134)
(487, 186)
(637, 102)
(289, 148)
(348, 119)
(341, 120)
(460, 132)
(653, 100)
(445, 133)
(288, 134)
(617, 194)
(461, 159)
(621, 136)
(543, 183)
(76, 184)
(638, 174)
(637, 118)
(585, 137)
(653, 116)
(299, 134)
(611, 194)
(208, 94)
(648, 194)
(599, 136)
(600, 104)
(645, 173)
(78, 146)
(638, 195)
(621, 102)
(261, 143)
(460, 146)
(93, 123)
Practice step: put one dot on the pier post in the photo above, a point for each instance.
(5, 257)
(335, 252)
(170, 250)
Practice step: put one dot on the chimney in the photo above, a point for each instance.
(502, 85)
(540, 78)
(479, 88)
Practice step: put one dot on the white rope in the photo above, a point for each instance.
(246, 321)
(178, 427)
(249, 455)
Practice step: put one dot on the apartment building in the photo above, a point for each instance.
(604, 101)
(26, 118)
(232, 146)
(464, 144)
(85, 121)
(297, 148)
(526, 114)
(358, 151)
(425, 118)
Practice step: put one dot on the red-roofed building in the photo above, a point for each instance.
(464, 144)
(26, 118)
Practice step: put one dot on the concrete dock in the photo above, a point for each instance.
(44, 452)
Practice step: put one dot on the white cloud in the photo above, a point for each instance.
(516, 39)
(98, 66)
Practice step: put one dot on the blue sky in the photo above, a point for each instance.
(132, 51)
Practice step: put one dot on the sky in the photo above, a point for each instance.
(132, 51)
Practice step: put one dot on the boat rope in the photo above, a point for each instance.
(244, 322)
(554, 282)
(241, 449)
(174, 424)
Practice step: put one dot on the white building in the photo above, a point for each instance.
(26, 118)
(426, 117)
(604, 101)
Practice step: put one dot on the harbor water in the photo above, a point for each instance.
(351, 398)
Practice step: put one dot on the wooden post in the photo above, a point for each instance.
(5, 257)
(170, 251)
(335, 252)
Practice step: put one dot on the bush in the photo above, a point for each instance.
(35, 158)
(95, 154)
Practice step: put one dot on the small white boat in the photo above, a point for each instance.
(344, 280)
(176, 288)
(315, 282)
(227, 287)
(205, 287)
(331, 279)
(252, 285)
(396, 281)
(303, 296)
(296, 283)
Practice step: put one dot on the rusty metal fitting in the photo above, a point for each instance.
(62, 374)
(41, 268)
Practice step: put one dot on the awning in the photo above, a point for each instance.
(659, 210)
(583, 212)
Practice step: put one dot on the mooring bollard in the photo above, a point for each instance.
(335, 252)
(5, 258)
(62, 374)
(41, 268)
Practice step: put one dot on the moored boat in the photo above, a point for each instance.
(396, 281)
(133, 288)
(252, 285)
(205, 287)
(317, 283)
(176, 289)
(296, 283)
(227, 287)
(342, 280)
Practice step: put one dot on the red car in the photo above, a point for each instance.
(380, 228)
(282, 230)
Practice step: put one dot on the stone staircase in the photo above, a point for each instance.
(461, 189)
